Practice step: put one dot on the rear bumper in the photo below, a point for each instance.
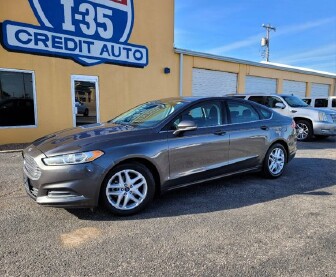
(324, 128)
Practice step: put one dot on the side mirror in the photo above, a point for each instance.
(280, 105)
(185, 125)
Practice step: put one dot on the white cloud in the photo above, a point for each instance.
(254, 40)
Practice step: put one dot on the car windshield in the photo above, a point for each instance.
(294, 101)
(149, 114)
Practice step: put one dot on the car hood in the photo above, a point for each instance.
(312, 109)
(85, 138)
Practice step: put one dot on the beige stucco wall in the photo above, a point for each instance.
(120, 87)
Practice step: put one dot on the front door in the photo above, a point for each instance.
(199, 154)
(85, 99)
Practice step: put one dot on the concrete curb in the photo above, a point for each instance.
(10, 151)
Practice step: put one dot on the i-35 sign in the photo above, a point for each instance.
(88, 31)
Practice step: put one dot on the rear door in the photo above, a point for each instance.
(248, 135)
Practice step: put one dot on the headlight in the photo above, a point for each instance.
(324, 117)
(75, 158)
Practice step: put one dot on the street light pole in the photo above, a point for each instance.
(266, 41)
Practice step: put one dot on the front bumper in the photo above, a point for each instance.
(70, 186)
(324, 128)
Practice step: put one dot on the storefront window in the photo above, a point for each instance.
(17, 105)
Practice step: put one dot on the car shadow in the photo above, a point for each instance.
(320, 143)
(233, 193)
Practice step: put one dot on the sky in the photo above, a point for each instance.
(305, 33)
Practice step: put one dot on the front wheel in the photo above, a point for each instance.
(304, 130)
(128, 188)
(275, 161)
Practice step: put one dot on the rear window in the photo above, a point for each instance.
(267, 114)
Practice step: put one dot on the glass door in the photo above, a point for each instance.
(85, 100)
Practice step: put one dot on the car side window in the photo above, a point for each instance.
(258, 99)
(333, 103)
(267, 114)
(307, 101)
(321, 103)
(205, 114)
(242, 112)
(271, 101)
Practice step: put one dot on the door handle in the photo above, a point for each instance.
(293, 111)
(265, 128)
(219, 133)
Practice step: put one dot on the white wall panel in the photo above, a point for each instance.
(296, 88)
(213, 83)
(263, 85)
(320, 90)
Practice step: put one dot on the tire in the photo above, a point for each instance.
(86, 112)
(275, 161)
(304, 130)
(127, 189)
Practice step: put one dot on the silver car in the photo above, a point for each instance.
(310, 122)
(155, 147)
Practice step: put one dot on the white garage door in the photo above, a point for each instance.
(255, 84)
(320, 90)
(213, 83)
(295, 88)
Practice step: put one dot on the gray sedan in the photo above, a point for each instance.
(155, 147)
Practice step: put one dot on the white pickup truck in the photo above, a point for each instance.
(309, 121)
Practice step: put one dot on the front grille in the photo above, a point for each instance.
(31, 168)
(333, 116)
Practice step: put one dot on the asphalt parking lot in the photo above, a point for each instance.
(240, 226)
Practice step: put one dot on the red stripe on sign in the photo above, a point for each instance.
(123, 2)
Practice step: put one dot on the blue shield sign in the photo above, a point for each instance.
(88, 31)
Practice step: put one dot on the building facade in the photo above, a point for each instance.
(65, 63)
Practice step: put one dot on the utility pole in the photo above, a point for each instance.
(265, 42)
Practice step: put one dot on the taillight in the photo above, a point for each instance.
(293, 124)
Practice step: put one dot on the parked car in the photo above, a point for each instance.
(155, 147)
(81, 108)
(321, 102)
(310, 122)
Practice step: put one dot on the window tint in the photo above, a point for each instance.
(307, 101)
(241, 112)
(333, 103)
(268, 101)
(17, 106)
(321, 103)
(206, 114)
(258, 99)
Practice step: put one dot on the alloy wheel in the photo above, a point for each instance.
(276, 161)
(126, 189)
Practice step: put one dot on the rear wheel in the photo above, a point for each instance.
(128, 188)
(304, 130)
(275, 161)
